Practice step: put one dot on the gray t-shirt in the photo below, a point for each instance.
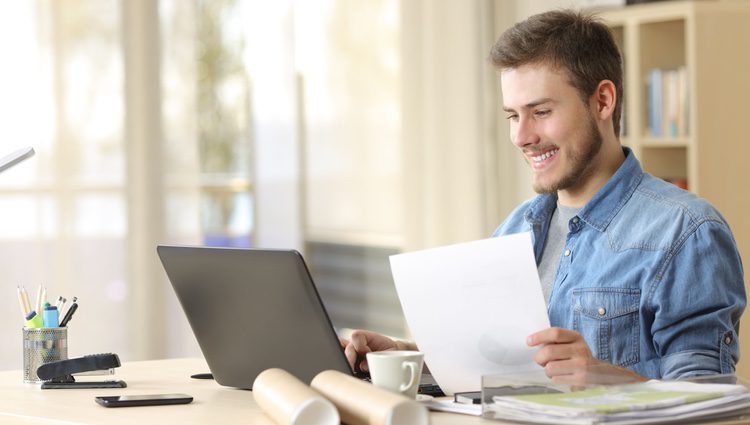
(554, 246)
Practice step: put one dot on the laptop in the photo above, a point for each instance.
(254, 309)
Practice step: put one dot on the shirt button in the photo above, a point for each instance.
(728, 339)
(602, 311)
(575, 220)
(567, 253)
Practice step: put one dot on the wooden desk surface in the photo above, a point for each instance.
(27, 404)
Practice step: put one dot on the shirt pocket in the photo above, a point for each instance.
(609, 322)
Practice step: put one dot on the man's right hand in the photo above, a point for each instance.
(363, 342)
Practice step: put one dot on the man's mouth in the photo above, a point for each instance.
(540, 158)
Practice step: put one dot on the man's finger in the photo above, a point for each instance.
(567, 367)
(356, 351)
(552, 336)
(553, 352)
(351, 355)
(359, 341)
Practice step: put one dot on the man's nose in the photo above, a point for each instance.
(524, 133)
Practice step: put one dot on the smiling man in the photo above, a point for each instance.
(642, 279)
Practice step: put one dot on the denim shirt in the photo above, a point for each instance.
(650, 275)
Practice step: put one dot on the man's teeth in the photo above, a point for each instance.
(545, 155)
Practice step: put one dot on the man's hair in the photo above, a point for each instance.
(570, 41)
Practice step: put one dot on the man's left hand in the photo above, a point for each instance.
(567, 359)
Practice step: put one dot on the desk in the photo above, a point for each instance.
(27, 404)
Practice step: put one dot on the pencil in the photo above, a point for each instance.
(38, 304)
(26, 305)
(20, 302)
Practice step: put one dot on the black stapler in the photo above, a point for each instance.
(59, 374)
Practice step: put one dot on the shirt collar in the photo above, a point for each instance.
(604, 205)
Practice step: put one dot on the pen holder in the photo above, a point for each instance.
(40, 346)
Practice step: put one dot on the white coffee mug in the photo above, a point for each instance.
(397, 371)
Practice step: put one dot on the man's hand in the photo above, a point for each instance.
(363, 342)
(567, 359)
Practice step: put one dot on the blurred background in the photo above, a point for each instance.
(347, 129)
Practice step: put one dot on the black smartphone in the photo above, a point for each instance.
(143, 400)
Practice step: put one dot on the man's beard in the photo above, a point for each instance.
(579, 162)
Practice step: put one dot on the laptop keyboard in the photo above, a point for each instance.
(428, 386)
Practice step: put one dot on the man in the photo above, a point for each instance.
(642, 279)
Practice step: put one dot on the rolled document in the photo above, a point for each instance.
(288, 401)
(360, 403)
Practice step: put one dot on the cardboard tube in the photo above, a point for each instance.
(288, 401)
(360, 403)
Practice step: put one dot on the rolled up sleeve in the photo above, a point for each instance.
(697, 300)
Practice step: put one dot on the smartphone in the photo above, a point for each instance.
(143, 400)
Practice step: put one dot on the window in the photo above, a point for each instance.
(206, 122)
(206, 113)
(66, 212)
(64, 219)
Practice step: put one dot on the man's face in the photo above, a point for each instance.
(554, 129)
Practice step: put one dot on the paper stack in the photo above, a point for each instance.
(642, 403)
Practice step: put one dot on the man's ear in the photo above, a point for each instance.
(604, 99)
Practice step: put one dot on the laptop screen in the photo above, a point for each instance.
(253, 309)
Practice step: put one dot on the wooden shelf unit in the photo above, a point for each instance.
(711, 39)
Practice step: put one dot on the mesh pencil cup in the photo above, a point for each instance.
(40, 346)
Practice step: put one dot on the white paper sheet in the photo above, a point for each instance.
(471, 306)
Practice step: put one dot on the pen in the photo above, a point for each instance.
(69, 313)
(59, 300)
(62, 304)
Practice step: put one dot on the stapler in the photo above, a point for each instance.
(59, 374)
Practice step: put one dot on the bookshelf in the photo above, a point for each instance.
(711, 41)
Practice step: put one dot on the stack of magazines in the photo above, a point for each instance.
(641, 403)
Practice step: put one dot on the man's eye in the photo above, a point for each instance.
(542, 113)
(512, 117)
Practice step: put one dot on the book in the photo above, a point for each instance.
(667, 103)
(648, 402)
(654, 102)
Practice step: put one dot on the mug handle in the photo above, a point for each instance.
(412, 375)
